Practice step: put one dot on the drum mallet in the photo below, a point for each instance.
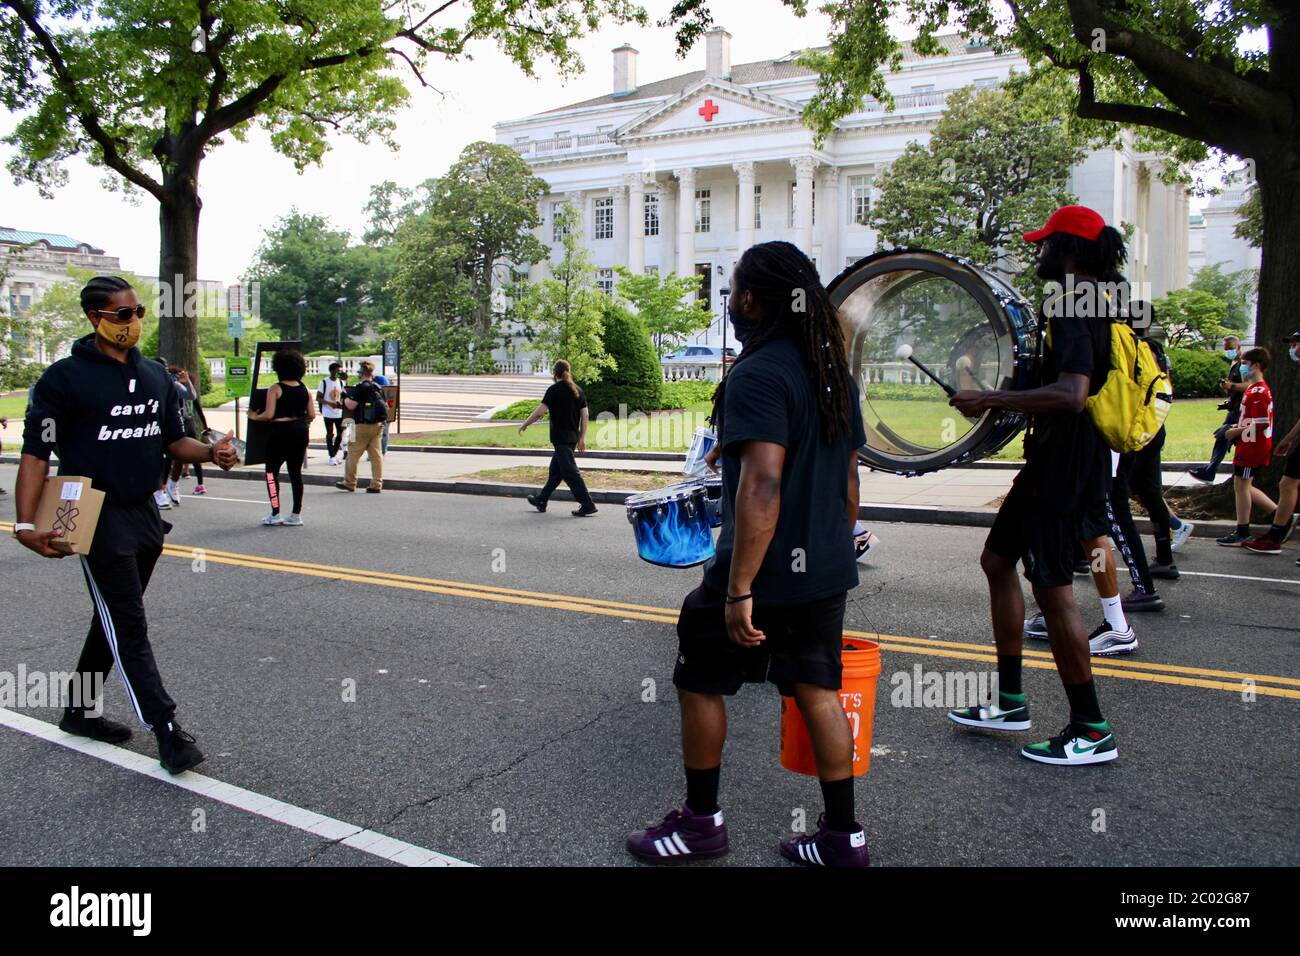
(905, 352)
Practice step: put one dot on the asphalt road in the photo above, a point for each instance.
(511, 726)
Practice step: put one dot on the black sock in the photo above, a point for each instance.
(837, 795)
(1009, 674)
(1243, 528)
(1083, 702)
(702, 790)
(1164, 551)
(1276, 532)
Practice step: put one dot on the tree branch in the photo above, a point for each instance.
(85, 113)
(1153, 116)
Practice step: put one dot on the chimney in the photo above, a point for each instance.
(624, 70)
(718, 54)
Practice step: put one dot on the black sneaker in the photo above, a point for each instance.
(1165, 572)
(96, 728)
(176, 750)
(1234, 540)
(342, 487)
(1082, 568)
(1142, 602)
(1201, 475)
(537, 503)
(584, 512)
(1077, 745)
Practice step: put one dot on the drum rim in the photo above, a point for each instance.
(683, 491)
(995, 428)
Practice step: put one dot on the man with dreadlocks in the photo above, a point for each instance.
(1059, 497)
(771, 606)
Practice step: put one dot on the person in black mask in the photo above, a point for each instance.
(1055, 496)
(771, 606)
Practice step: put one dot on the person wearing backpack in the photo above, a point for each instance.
(366, 399)
(329, 398)
(1067, 469)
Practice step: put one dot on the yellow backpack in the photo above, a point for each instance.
(1131, 407)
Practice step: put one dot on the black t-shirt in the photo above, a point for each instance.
(110, 421)
(1234, 396)
(1067, 461)
(565, 410)
(770, 397)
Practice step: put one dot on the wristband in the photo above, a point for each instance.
(736, 599)
(21, 526)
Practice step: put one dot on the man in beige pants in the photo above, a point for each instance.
(366, 399)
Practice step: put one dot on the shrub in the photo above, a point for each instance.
(518, 411)
(205, 377)
(1196, 374)
(685, 392)
(16, 374)
(637, 381)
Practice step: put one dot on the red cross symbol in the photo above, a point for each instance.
(708, 111)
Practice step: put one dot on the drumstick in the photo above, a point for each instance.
(964, 364)
(905, 352)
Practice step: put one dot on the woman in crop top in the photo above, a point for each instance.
(290, 412)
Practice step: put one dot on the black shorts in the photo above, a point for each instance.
(1095, 520)
(1246, 471)
(803, 645)
(1027, 530)
(1293, 462)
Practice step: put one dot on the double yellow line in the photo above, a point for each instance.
(1230, 681)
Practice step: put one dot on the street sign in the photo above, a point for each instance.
(239, 375)
(392, 353)
(235, 325)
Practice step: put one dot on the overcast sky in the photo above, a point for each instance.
(246, 187)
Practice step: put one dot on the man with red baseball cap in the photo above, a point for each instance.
(1067, 470)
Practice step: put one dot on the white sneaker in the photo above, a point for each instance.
(292, 521)
(864, 542)
(1036, 626)
(173, 493)
(1180, 534)
(1105, 641)
(270, 520)
(162, 501)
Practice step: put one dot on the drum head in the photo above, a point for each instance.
(967, 326)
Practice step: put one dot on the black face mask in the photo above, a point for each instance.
(1051, 264)
(743, 325)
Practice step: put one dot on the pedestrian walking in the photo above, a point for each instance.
(1284, 519)
(366, 399)
(1253, 437)
(329, 398)
(289, 413)
(565, 402)
(1232, 387)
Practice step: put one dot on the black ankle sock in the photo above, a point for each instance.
(837, 795)
(1164, 551)
(1083, 702)
(1276, 532)
(702, 789)
(1009, 673)
(1243, 529)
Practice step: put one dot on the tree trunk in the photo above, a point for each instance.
(178, 266)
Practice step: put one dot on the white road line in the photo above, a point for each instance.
(1242, 577)
(255, 501)
(349, 834)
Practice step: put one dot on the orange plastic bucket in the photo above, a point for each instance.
(858, 697)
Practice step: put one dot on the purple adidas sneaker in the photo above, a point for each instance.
(682, 836)
(827, 847)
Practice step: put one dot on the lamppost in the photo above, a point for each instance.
(298, 307)
(339, 303)
(724, 292)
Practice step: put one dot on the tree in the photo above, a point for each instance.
(995, 167)
(667, 304)
(302, 257)
(1235, 290)
(147, 89)
(637, 378)
(564, 312)
(476, 231)
(1250, 223)
(1176, 71)
(1191, 316)
(391, 205)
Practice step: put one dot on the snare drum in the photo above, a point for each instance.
(967, 325)
(701, 445)
(713, 498)
(672, 525)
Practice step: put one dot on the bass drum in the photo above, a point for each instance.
(910, 307)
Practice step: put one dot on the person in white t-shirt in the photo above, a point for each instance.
(329, 396)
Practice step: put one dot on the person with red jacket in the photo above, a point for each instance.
(1253, 436)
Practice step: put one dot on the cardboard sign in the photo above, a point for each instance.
(70, 508)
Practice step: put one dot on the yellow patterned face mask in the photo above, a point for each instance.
(122, 335)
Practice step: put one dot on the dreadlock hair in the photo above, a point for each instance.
(1102, 257)
(96, 293)
(794, 304)
(564, 373)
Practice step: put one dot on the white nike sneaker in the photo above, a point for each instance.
(271, 520)
(1105, 641)
(1036, 626)
(162, 501)
(292, 521)
(1179, 535)
(864, 542)
(174, 493)
(1077, 745)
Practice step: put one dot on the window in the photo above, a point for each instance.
(758, 206)
(652, 214)
(652, 270)
(558, 231)
(859, 199)
(605, 217)
(923, 88)
(705, 271)
(703, 210)
(794, 203)
(605, 281)
(985, 82)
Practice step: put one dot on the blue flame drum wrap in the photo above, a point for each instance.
(671, 525)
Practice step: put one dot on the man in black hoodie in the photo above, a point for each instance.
(111, 415)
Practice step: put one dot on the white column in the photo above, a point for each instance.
(685, 221)
(803, 214)
(635, 223)
(745, 211)
(620, 223)
(832, 217)
(577, 199)
(537, 271)
(667, 227)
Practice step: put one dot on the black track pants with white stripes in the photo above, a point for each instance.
(119, 631)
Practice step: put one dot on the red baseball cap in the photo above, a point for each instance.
(1075, 220)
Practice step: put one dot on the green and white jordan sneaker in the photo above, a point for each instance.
(1078, 744)
(994, 716)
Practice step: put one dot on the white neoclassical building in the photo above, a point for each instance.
(685, 173)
